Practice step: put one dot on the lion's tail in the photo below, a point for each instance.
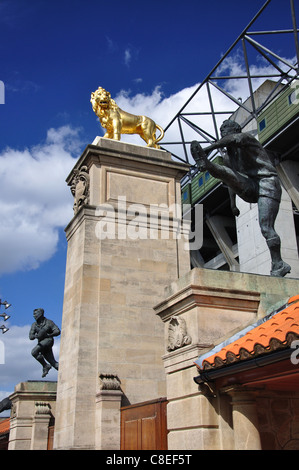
(161, 133)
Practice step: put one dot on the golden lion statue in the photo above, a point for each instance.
(117, 122)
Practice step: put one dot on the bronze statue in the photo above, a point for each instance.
(248, 172)
(44, 331)
(117, 122)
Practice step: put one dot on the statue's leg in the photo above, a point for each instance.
(246, 188)
(48, 353)
(268, 210)
(116, 129)
(147, 138)
(151, 142)
(147, 131)
(37, 354)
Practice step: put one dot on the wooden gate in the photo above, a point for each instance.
(51, 433)
(143, 426)
(50, 437)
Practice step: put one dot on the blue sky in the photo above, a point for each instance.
(53, 54)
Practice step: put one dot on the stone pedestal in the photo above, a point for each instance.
(33, 407)
(108, 403)
(201, 311)
(192, 420)
(123, 249)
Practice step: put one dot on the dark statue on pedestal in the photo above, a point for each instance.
(250, 174)
(44, 331)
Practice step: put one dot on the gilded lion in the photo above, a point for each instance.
(117, 122)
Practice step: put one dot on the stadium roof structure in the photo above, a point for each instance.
(219, 90)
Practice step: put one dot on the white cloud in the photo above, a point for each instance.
(235, 65)
(131, 53)
(112, 46)
(34, 200)
(127, 57)
(162, 109)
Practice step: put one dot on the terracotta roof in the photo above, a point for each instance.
(4, 426)
(276, 331)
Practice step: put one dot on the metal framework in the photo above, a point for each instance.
(192, 123)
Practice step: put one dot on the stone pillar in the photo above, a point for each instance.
(192, 419)
(245, 420)
(40, 426)
(119, 260)
(196, 313)
(33, 404)
(108, 403)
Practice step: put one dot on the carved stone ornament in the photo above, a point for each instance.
(42, 408)
(80, 188)
(109, 382)
(177, 334)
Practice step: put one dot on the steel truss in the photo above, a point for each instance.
(249, 46)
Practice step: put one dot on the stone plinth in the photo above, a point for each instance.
(200, 310)
(33, 407)
(108, 404)
(119, 261)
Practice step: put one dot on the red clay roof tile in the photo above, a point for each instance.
(4, 426)
(276, 333)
